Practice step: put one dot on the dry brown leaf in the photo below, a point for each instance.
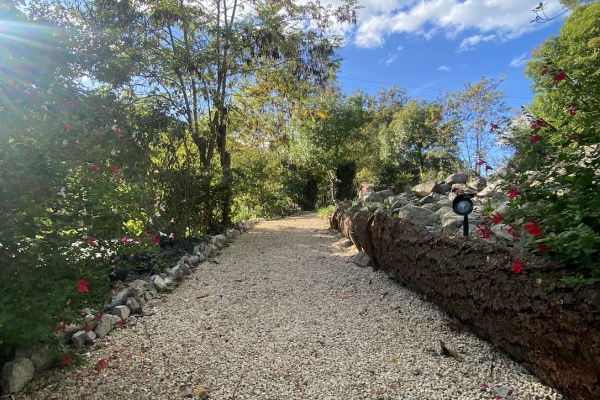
(281, 373)
(198, 392)
(379, 392)
(394, 360)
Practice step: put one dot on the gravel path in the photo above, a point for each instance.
(283, 314)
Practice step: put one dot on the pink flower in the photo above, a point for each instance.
(91, 241)
(559, 76)
(497, 218)
(125, 239)
(517, 266)
(82, 286)
(534, 139)
(513, 192)
(114, 170)
(172, 236)
(68, 127)
(545, 70)
(94, 167)
(532, 228)
(101, 364)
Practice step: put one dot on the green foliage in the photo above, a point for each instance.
(322, 211)
(560, 147)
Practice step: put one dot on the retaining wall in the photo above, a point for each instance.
(554, 330)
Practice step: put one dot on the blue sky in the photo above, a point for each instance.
(432, 45)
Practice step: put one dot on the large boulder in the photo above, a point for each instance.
(425, 188)
(456, 178)
(477, 183)
(417, 215)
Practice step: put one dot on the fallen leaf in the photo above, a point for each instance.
(281, 373)
(198, 392)
(394, 360)
(341, 296)
(379, 392)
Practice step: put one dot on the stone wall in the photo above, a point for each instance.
(552, 329)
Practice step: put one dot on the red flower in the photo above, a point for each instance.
(479, 162)
(66, 361)
(545, 70)
(572, 108)
(173, 221)
(121, 322)
(516, 235)
(517, 266)
(125, 239)
(82, 286)
(532, 228)
(87, 328)
(561, 75)
(91, 241)
(156, 240)
(114, 170)
(101, 364)
(534, 139)
(574, 137)
(94, 167)
(513, 192)
(542, 247)
(497, 218)
(485, 234)
(510, 229)
(67, 127)
(538, 123)
(517, 153)
(487, 167)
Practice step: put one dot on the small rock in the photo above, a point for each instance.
(133, 305)
(158, 282)
(16, 374)
(122, 312)
(383, 292)
(361, 259)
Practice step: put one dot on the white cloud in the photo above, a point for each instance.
(506, 19)
(444, 68)
(390, 58)
(519, 61)
(470, 42)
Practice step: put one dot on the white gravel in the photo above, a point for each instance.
(283, 314)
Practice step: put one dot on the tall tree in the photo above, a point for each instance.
(196, 55)
(478, 106)
(419, 138)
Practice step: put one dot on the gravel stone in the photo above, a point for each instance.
(285, 314)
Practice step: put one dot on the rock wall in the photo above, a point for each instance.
(552, 329)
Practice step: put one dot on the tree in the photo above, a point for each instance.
(419, 139)
(332, 140)
(197, 55)
(476, 107)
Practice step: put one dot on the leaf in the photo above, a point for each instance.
(199, 392)
(394, 360)
(341, 296)
(281, 373)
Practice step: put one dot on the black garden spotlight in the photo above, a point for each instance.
(463, 205)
